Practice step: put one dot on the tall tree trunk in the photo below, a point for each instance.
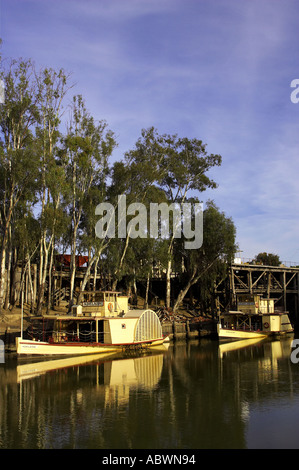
(50, 278)
(42, 254)
(14, 275)
(95, 273)
(72, 273)
(168, 284)
(185, 290)
(30, 284)
(147, 289)
(194, 278)
(42, 286)
(91, 262)
(117, 270)
(2, 276)
(73, 260)
(3, 252)
(75, 223)
(8, 274)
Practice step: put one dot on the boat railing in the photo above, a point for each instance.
(256, 326)
(55, 336)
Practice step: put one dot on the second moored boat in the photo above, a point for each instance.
(255, 318)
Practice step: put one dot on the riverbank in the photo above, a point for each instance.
(11, 323)
(12, 318)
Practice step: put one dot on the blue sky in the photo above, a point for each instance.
(216, 70)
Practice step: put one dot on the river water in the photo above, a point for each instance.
(193, 395)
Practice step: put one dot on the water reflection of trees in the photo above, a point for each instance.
(189, 397)
(71, 406)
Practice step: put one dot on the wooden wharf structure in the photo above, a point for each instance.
(280, 283)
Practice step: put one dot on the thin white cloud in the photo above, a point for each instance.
(120, 10)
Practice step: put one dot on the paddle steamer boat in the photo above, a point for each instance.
(255, 318)
(102, 324)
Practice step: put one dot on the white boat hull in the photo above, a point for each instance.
(226, 333)
(30, 347)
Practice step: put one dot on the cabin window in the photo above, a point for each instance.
(95, 299)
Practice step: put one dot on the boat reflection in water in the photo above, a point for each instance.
(273, 349)
(114, 372)
(236, 345)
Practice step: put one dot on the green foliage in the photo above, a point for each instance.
(268, 259)
(210, 262)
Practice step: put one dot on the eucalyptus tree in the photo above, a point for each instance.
(210, 261)
(19, 158)
(87, 147)
(52, 87)
(173, 165)
(131, 256)
(87, 241)
(136, 178)
(184, 169)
